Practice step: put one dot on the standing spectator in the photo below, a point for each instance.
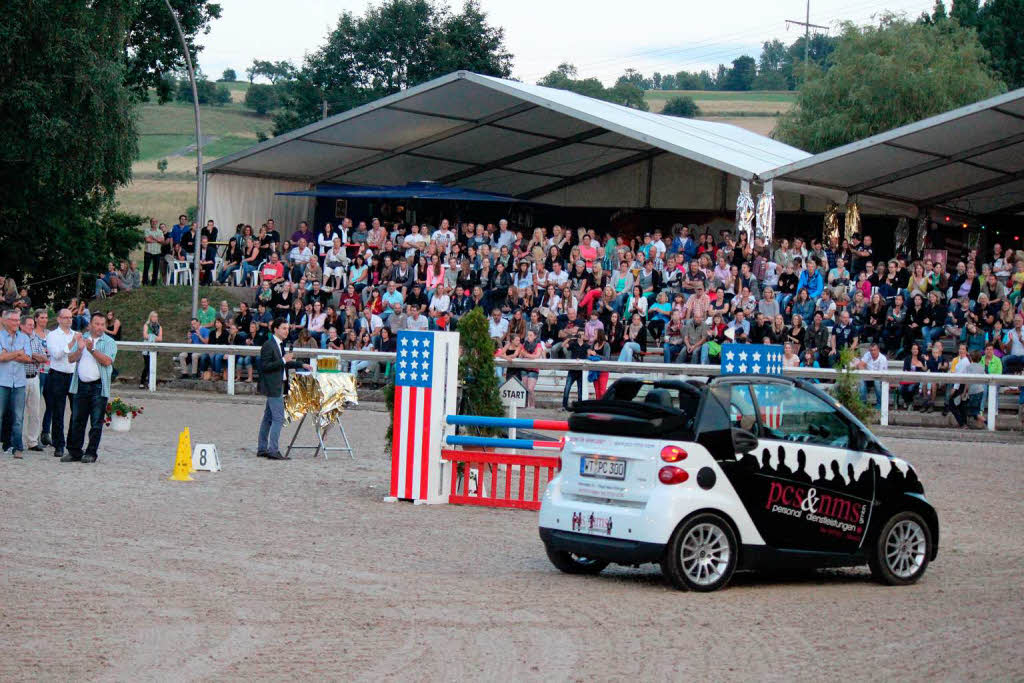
(15, 353)
(152, 332)
(59, 343)
(154, 238)
(274, 366)
(576, 349)
(90, 386)
(42, 320)
(33, 421)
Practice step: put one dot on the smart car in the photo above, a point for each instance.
(738, 473)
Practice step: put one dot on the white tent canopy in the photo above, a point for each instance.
(968, 160)
(494, 135)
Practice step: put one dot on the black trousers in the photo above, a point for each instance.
(57, 398)
(150, 262)
(572, 377)
(88, 405)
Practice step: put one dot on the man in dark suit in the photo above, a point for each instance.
(274, 366)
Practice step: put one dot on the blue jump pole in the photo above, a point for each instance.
(506, 422)
(493, 442)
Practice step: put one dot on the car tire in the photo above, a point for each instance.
(902, 550)
(571, 563)
(702, 554)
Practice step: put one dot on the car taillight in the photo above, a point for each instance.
(672, 454)
(559, 463)
(670, 474)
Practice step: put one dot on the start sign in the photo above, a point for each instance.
(513, 394)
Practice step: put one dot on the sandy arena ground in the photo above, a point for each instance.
(297, 569)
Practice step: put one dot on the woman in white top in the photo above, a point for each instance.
(334, 264)
(440, 304)
(325, 240)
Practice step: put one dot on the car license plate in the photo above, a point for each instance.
(604, 468)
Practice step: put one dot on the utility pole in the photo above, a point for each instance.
(200, 186)
(806, 23)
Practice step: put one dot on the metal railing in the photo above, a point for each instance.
(886, 377)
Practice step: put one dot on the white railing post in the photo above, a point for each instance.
(231, 373)
(152, 370)
(884, 417)
(993, 406)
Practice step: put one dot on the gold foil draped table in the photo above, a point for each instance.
(324, 395)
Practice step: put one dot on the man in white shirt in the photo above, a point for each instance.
(557, 276)
(300, 256)
(413, 243)
(90, 386)
(415, 321)
(59, 344)
(443, 236)
(875, 361)
(497, 327)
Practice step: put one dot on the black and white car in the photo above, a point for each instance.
(743, 472)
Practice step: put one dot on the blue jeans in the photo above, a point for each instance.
(43, 377)
(572, 377)
(671, 351)
(13, 398)
(928, 334)
(700, 355)
(878, 392)
(88, 405)
(270, 426)
(628, 349)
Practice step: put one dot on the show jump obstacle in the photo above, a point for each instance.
(426, 394)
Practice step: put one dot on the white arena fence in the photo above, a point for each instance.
(552, 371)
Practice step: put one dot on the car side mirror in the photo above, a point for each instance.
(743, 441)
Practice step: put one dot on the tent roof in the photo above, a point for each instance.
(417, 190)
(493, 135)
(969, 160)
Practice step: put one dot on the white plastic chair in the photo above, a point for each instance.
(181, 273)
(254, 276)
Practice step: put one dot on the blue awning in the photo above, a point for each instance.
(417, 190)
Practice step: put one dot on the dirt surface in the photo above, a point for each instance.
(297, 569)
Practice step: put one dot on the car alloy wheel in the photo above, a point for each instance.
(702, 553)
(705, 554)
(905, 548)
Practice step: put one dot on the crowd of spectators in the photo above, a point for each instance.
(675, 295)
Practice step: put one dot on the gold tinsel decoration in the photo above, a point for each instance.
(830, 228)
(852, 223)
(324, 395)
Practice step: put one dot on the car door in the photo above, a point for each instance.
(803, 487)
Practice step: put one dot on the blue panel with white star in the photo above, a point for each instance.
(751, 359)
(414, 366)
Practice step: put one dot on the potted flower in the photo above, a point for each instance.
(120, 414)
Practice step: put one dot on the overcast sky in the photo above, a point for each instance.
(601, 37)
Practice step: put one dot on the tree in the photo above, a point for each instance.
(623, 92)
(1001, 31)
(682, 106)
(392, 46)
(476, 368)
(261, 98)
(152, 49)
(770, 74)
(821, 46)
(229, 76)
(668, 82)
(741, 75)
(275, 72)
(208, 92)
(68, 112)
(886, 76)
(965, 12)
(162, 166)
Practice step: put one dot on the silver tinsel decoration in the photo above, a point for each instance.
(922, 232)
(745, 212)
(766, 214)
(902, 235)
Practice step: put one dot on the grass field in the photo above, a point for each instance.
(174, 304)
(768, 103)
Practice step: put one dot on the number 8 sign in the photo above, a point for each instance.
(205, 458)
